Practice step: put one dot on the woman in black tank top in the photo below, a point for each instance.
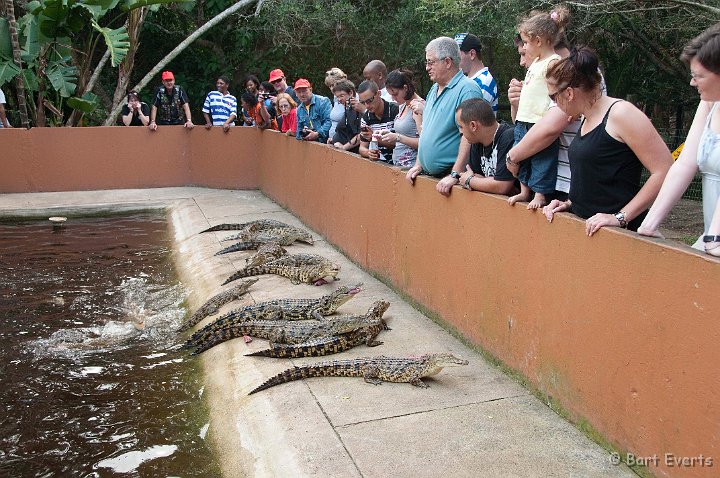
(606, 157)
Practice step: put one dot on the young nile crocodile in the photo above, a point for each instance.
(266, 253)
(283, 332)
(283, 236)
(373, 369)
(251, 226)
(246, 235)
(282, 309)
(293, 268)
(332, 345)
(213, 305)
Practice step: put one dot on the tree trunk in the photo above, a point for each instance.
(134, 25)
(110, 120)
(19, 85)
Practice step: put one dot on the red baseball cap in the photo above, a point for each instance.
(276, 74)
(302, 83)
(168, 75)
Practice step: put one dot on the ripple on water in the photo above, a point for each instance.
(93, 382)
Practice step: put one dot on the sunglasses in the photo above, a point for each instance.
(553, 96)
(277, 81)
(368, 101)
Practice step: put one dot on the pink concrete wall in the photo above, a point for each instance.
(74, 159)
(623, 332)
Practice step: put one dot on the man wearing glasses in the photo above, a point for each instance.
(277, 78)
(379, 118)
(442, 152)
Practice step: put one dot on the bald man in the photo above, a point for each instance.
(377, 71)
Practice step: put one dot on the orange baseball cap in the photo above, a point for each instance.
(302, 83)
(168, 75)
(276, 74)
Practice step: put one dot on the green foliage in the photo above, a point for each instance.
(116, 41)
(8, 71)
(63, 78)
(86, 104)
(5, 42)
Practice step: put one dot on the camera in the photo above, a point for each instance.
(305, 131)
(264, 95)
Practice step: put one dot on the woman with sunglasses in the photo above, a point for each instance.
(607, 156)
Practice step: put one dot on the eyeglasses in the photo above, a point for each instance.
(553, 96)
(432, 62)
(283, 106)
(368, 101)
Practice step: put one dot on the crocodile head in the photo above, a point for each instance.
(304, 236)
(434, 363)
(326, 269)
(378, 309)
(266, 253)
(342, 294)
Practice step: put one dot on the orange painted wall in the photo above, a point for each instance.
(623, 332)
(74, 159)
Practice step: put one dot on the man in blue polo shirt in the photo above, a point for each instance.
(441, 151)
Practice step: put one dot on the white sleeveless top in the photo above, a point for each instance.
(708, 161)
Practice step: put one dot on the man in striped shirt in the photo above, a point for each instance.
(472, 65)
(221, 105)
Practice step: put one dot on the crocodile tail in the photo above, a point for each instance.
(315, 348)
(224, 227)
(240, 246)
(245, 272)
(199, 314)
(218, 337)
(340, 368)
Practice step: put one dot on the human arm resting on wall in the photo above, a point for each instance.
(476, 182)
(3, 117)
(444, 186)
(628, 124)
(153, 115)
(188, 123)
(679, 176)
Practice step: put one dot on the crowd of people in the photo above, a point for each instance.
(571, 146)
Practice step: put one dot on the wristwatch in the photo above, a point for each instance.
(711, 238)
(467, 182)
(620, 216)
(455, 175)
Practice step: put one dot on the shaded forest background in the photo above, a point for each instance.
(638, 42)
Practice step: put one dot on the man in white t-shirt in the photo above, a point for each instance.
(4, 123)
(472, 65)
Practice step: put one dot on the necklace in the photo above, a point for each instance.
(494, 142)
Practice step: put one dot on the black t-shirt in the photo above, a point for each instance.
(387, 121)
(347, 128)
(489, 161)
(136, 117)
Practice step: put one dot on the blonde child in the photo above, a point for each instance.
(539, 33)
